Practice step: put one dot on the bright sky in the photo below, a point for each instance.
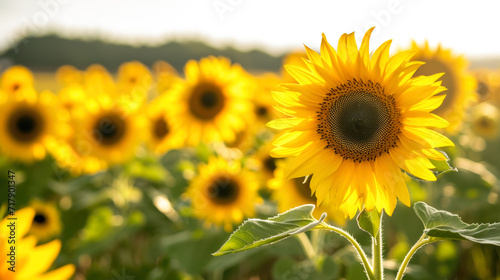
(276, 26)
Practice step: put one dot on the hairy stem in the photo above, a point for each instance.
(307, 246)
(421, 242)
(378, 268)
(357, 247)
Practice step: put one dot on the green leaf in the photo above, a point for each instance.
(369, 221)
(442, 224)
(256, 232)
(442, 166)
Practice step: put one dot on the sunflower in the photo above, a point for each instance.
(223, 193)
(47, 222)
(15, 79)
(212, 104)
(263, 100)
(67, 75)
(32, 262)
(161, 137)
(133, 74)
(355, 120)
(71, 96)
(97, 81)
(488, 85)
(31, 124)
(485, 120)
(106, 133)
(166, 76)
(297, 191)
(112, 130)
(264, 163)
(460, 85)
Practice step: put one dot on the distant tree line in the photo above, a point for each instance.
(49, 52)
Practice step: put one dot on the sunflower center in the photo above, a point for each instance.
(270, 164)
(359, 121)
(160, 128)
(15, 86)
(109, 129)
(304, 189)
(223, 191)
(25, 124)
(482, 90)
(261, 111)
(433, 66)
(485, 122)
(357, 116)
(40, 218)
(206, 102)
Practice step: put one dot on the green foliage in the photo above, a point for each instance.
(442, 224)
(369, 221)
(256, 232)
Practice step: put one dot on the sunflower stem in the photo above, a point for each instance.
(317, 241)
(378, 269)
(357, 248)
(420, 243)
(307, 246)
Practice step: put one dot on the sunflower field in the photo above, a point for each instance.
(344, 164)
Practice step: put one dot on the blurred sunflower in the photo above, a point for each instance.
(460, 85)
(32, 262)
(112, 130)
(15, 79)
(213, 103)
(71, 96)
(97, 81)
(161, 137)
(263, 99)
(133, 83)
(297, 191)
(264, 163)
(68, 75)
(166, 76)
(106, 133)
(132, 74)
(223, 193)
(485, 120)
(488, 85)
(355, 121)
(47, 222)
(31, 124)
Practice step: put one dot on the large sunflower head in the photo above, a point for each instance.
(34, 261)
(291, 193)
(31, 124)
(46, 222)
(213, 103)
(223, 193)
(460, 85)
(355, 120)
(15, 79)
